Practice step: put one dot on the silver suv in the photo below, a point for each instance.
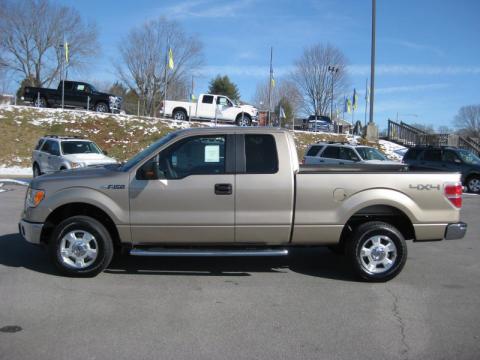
(54, 153)
(340, 153)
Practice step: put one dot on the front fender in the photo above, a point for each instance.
(79, 195)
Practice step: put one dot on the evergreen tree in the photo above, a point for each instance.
(222, 85)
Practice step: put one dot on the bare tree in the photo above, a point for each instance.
(285, 89)
(314, 80)
(31, 33)
(143, 60)
(468, 120)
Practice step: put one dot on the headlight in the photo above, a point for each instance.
(76, 165)
(34, 197)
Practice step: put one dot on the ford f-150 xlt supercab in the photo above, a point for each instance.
(211, 107)
(237, 192)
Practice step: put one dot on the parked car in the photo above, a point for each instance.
(210, 107)
(320, 123)
(55, 153)
(229, 191)
(339, 153)
(76, 95)
(446, 158)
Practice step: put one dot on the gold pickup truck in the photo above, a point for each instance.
(237, 192)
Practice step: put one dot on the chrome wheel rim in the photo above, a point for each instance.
(40, 102)
(474, 185)
(78, 249)
(378, 254)
(101, 108)
(243, 121)
(179, 116)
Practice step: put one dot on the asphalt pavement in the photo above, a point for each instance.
(306, 306)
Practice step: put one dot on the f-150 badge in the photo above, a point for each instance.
(113, 187)
(424, 187)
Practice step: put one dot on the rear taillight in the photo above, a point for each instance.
(453, 192)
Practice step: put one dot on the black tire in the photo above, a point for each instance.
(36, 170)
(81, 225)
(247, 120)
(101, 107)
(473, 184)
(179, 114)
(338, 249)
(40, 102)
(363, 237)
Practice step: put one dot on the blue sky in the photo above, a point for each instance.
(428, 57)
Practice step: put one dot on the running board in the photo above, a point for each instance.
(206, 252)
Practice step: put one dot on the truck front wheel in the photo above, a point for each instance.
(243, 120)
(377, 251)
(81, 246)
(101, 107)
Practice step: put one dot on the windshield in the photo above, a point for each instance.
(147, 151)
(468, 157)
(80, 147)
(368, 153)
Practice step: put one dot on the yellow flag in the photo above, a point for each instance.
(170, 59)
(66, 52)
(273, 81)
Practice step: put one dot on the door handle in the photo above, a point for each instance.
(223, 189)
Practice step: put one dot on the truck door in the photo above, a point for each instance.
(78, 95)
(193, 199)
(226, 109)
(206, 107)
(264, 197)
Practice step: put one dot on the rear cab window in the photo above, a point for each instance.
(260, 154)
(207, 99)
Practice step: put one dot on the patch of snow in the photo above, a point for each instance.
(392, 150)
(15, 170)
(13, 181)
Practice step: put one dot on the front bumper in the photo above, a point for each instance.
(455, 231)
(31, 232)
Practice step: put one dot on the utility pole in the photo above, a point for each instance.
(62, 78)
(366, 101)
(372, 62)
(270, 87)
(166, 83)
(372, 129)
(332, 70)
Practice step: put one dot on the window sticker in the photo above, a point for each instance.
(80, 87)
(212, 153)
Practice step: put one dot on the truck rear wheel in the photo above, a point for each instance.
(40, 102)
(179, 114)
(377, 251)
(81, 246)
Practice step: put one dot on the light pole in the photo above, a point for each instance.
(372, 63)
(332, 70)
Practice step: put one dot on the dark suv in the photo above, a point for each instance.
(446, 158)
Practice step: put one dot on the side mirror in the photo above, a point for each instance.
(149, 171)
(105, 152)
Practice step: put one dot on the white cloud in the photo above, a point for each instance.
(206, 8)
(410, 88)
(414, 70)
(416, 46)
(243, 70)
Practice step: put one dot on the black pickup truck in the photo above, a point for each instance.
(77, 95)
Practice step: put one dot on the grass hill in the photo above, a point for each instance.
(121, 135)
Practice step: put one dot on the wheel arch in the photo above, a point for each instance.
(78, 208)
(182, 109)
(384, 213)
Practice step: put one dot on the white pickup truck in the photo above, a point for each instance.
(211, 107)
